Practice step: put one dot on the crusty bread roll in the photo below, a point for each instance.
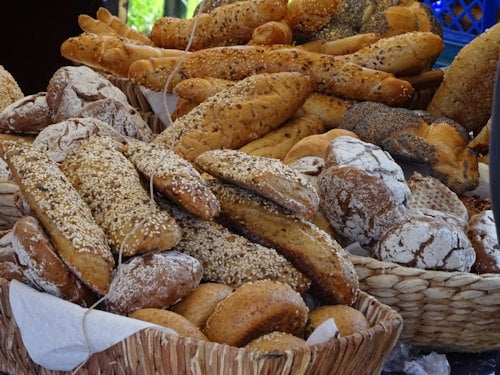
(173, 177)
(481, 230)
(43, 267)
(466, 92)
(250, 108)
(362, 189)
(9, 89)
(230, 258)
(28, 115)
(198, 305)
(59, 139)
(272, 32)
(63, 213)
(347, 319)
(276, 342)
(120, 27)
(309, 16)
(342, 46)
(265, 176)
(310, 249)
(427, 239)
(169, 319)
(111, 186)
(254, 309)
(152, 280)
(278, 142)
(224, 25)
(328, 75)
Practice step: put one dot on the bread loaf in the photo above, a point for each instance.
(63, 213)
(9, 89)
(152, 280)
(264, 176)
(466, 92)
(111, 186)
(481, 231)
(310, 249)
(243, 112)
(276, 342)
(120, 27)
(342, 46)
(309, 16)
(347, 319)
(28, 115)
(272, 32)
(328, 75)
(330, 109)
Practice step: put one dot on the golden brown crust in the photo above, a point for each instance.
(310, 249)
(254, 309)
(198, 305)
(342, 46)
(43, 267)
(265, 176)
(245, 111)
(347, 319)
(276, 342)
(112, 188)
(272, 32)
(9, 89)
(170, 319)
(309, 16)
(173, 177)
(120, 27)
(78, 239)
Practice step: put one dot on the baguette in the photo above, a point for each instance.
(111, 187)
(173, 177)
(466, 92)
(342, 46)
(121, 28)
(68, 221)
(247, 110)
(328, 75)
(272, 32)
(276, 143)
(310, 249)
(90, 25)
(264, 176)
(228, 24)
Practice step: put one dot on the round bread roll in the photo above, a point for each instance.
(362, 190)
(28, 115)
(155, 280)
(276, 342)
(198, 305)
(169, 319)
(43, 267)
(427, 239)
(347, 319)
(9, 89)
(482, 233)
(254, 309)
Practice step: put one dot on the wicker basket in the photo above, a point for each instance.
(442, 311)
(154, 352)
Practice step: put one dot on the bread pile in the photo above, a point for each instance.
(280, 154)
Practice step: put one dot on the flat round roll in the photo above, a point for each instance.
(276, 342)
(347, 319)
(254, 309)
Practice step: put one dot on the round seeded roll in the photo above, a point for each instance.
(347, 319)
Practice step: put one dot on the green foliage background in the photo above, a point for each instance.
(143, 13)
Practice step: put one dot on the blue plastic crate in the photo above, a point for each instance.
(462, 21)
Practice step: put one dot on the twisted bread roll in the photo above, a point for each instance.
(120, 27)
(112, 188)
(328, 75)
(173, 177)
(228, 24)
(68, 221)
(243, 112)
(310, 249)
(272, 32)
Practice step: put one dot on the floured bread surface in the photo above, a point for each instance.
(58, 139)
(482, 232)
(362, 190)
(9, 212)
(429, 192)
(27, 115)
(174, 177)
(427, 240)
(152, 280)
(262, 175)
(78, 239)
(111, 186)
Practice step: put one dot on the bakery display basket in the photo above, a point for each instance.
(154, 352)
(442, 311)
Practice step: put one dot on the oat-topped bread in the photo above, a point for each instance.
(67, 219)
(111, 186)
(266, 176)
(9, 89)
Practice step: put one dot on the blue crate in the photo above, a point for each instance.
(462, 21)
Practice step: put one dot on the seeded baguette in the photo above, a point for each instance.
(68, 221)
(309, 248)
(111, 186)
